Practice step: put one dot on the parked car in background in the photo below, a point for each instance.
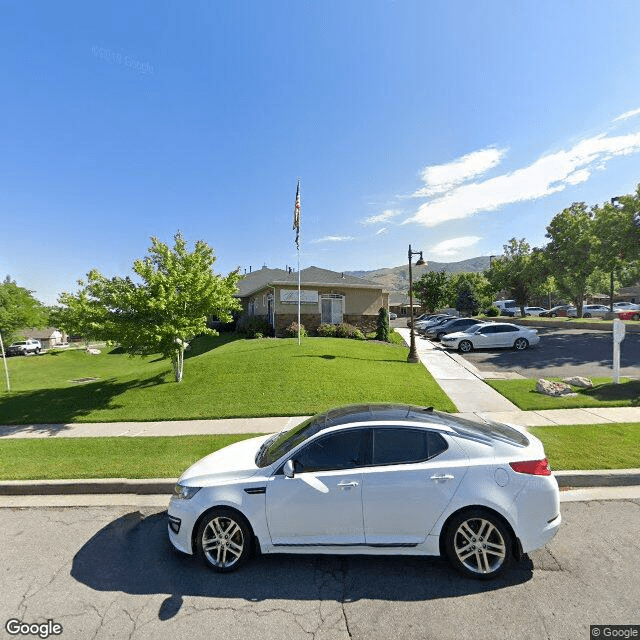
(589, 311)
(554, 312)
(433, 319)
(628, 314)
(24, 347)
(491, 334)
(450, 326)
(374, 479)
(392, 316)
(534, 311)
(506, 305)
(626, 306)
(435, 322)
(423, 316)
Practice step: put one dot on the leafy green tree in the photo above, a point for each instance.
(570, 253)
(520, 270)
(483, 291)
(175, 294)
(382, 328)
(18, 310)
(432, 290)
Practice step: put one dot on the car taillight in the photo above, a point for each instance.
(532, 467)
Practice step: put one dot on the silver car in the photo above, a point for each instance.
(489, 335)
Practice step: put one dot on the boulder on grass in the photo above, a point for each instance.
(579, 381)
(555, 389)
(93, 352)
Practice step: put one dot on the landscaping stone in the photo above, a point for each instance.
(93, 352)
(555, 389)
(579, 381)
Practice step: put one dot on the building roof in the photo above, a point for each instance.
(40, 334)
(257, 280)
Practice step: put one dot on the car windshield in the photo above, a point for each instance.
(473, 328)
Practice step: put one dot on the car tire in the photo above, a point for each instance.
(478, 544)
(465, 346)
(520, 344)
(586, 315)
(553, 315)
(37, 350)
(223, 540)
(439, 335)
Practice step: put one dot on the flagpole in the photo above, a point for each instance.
(298, 295)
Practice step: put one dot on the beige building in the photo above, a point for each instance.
(325, 297)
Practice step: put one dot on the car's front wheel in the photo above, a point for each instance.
(465, 346)
(223, 540)
(520, 344)
(478, 544)
(586, 315)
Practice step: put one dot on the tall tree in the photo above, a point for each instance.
(432, 290)
(482, 290)
(571, 253)
(520, 270)
(177, 292)
(18, 310)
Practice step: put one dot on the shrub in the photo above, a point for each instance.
(382, 330)
(255, 327)
(493, 312)
(292, 331)
(345, 330)
(326, 331)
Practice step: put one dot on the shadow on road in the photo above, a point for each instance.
(133, 555)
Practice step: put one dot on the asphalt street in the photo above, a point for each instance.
(109, 572)
(564, 352)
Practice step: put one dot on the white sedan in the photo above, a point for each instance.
(489, 335)
(371, 479)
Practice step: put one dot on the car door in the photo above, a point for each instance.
(506, 336)
(485, 337)
(413, 477)
(322, 503)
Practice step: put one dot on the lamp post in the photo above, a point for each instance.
(413, 353)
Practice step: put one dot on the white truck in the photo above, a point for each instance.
(23, 347)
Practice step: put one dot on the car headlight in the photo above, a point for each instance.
(182, 492)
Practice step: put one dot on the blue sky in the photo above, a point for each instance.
(450, 125)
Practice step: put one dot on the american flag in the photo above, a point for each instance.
(296, 216)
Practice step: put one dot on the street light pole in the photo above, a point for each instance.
(413, 352)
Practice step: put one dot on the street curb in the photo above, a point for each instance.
(154, 486)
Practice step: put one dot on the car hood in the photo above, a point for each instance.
(235, 462)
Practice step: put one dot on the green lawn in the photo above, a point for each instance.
(591, 446)
(604, 394)
(610, 446)
(143, 457)
(223, 377)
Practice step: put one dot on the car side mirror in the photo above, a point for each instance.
(289, 469)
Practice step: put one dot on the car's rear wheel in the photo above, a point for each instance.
(478, 544)
(37, 350)
(586, 315)
(465, 346)
(223, 540)
(520, 344)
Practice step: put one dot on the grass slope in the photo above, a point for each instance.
(224, 377)
(604, 394)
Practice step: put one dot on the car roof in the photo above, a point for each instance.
(418, 416)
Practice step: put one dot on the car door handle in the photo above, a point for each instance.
(443, 476)
(348, 484)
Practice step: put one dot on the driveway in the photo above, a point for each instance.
(564, 352)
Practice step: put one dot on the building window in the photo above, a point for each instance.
(331, 308)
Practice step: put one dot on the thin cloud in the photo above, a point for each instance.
(452, 247)
(381, 231)
(385, 216)
(332, 239)
(627, 115)
(549, 174)
(441, 178)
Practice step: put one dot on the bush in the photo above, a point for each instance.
(382, 332)
(255, 327)
(292, 331)
(326, 331)
(345, 330)
(493, 312)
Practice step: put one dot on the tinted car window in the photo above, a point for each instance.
(404, 446)
(487, 330)
(341, 450)
(505, 328)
